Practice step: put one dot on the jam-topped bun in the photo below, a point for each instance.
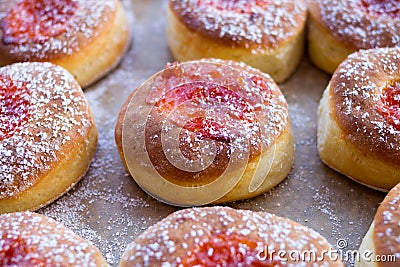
(207, 131)
(381, 245)
(265, 34)
(337, 28)
(30, 239)
(221, 236)
(86, 37)
(47, 135)
(359, 118)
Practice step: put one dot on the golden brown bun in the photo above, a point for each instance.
(354, 136)
(93, 42)
(268, 38)
(30, 239)
(183, 235)
(382, 238)
(161, 171)
(340, 27)
(51, 148)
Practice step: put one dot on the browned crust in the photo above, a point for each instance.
(119, 127)
(387, 231)
(348, 22)
(157, 155)
(47, 126)
(241, 27)
(174, 236)
(54, 243)
(81, 31)
(355, 91)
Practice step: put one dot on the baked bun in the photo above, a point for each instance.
(221, 236)
(208, 131)
(359, 118)
(380, 246)
(47, 135)
(30, 239)
(86, 37)
(268, 35)
(337, 28)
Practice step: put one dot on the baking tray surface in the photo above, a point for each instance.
(110, 210)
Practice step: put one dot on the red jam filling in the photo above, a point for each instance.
(199, 106)
(389, 8)
(16, 252)
(227, 250)
(390, 106)
(15, 106)
(265, 90)
(36, 20)
(239, 6)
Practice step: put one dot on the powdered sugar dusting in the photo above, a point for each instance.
(358, 85)
(83, 25)
(102, 208)
(28, 238)
(245, 24)
(60, 112)
(349, 21)
(168, 241)
(261, 94)
(387, 232)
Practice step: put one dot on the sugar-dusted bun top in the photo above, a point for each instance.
(30, 239)
(196, 125)
(365, 101)
(206, 236)
(387, 231)
(256, 24)
(43, 110)
(37, 30)
(360, 23)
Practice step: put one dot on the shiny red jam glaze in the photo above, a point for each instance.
(229, 113)
(386, 8)
(15, 108)
(16, 252)
(227, 250)
(36, 20)
(390, 105)
(239, 6)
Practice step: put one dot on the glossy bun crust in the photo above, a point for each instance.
(382, 237)
(199, 236)
(270, 152)
(30, 239)
(355, 135)
(340, 27)
(47, 137)
(268, 35)
(93, 37)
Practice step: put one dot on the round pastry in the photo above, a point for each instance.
(359, 118)
(47, 135)
(30, 239)
(337, 28)
(380, 246)
(207, 131)
(268, 35)
(221, 236)
(86, 37)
